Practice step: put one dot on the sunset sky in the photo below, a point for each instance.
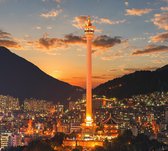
(130, 35)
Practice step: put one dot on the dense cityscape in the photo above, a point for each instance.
(22, 123)
(83, 75)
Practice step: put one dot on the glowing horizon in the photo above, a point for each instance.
(130, 36)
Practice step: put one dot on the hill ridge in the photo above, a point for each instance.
(20, 78)
(139, 82)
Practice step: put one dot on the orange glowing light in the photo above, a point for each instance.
(89, 121)
(155, 127)
(30, 130)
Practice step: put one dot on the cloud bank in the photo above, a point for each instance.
(51, 14)
(7, 40)
(161, 20)
(100, 42)
(151, 49)
(161, 37)
(137, 12)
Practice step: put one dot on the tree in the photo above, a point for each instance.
(122, 143)
(18, 148)
(142, 142)
(75, 149)
(38, 145)
(58, 138)
(99, 148)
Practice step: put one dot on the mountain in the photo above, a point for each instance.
(22, 79)
(139, 82)
(164, 68)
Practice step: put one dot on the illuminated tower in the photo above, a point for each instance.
(89, 33)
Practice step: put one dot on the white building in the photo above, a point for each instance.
(5, 138)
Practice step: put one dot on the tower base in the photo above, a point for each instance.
(88, 131)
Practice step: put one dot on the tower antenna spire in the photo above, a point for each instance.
(89, 21)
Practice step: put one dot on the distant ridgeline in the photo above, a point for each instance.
(21, 79)
(139, 82)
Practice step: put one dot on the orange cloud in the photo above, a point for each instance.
(108, 21)
(114, 56)
(58, 1)
(161, 37)
(9, 43)
(137, 12)
(52, 13)
(164, 8)
(105, 20)
(161, 20)
(165, 1)
(79, 21)
(151, 49)
(6, 40)
(97, 79)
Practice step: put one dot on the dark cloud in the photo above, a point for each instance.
(151, 49)
(49, 43)
(102, 42)
(140, 69)
(4, 34)
(72, 39)
(6, 40)
(105, 41)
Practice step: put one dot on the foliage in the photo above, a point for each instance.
(18, 148)
(58, 139)
(128, 142)
(38, 145)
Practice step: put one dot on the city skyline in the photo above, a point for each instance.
(130, 36)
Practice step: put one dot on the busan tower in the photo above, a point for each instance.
(89, 33)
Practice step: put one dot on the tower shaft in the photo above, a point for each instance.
(89, 79)
(89, 33)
